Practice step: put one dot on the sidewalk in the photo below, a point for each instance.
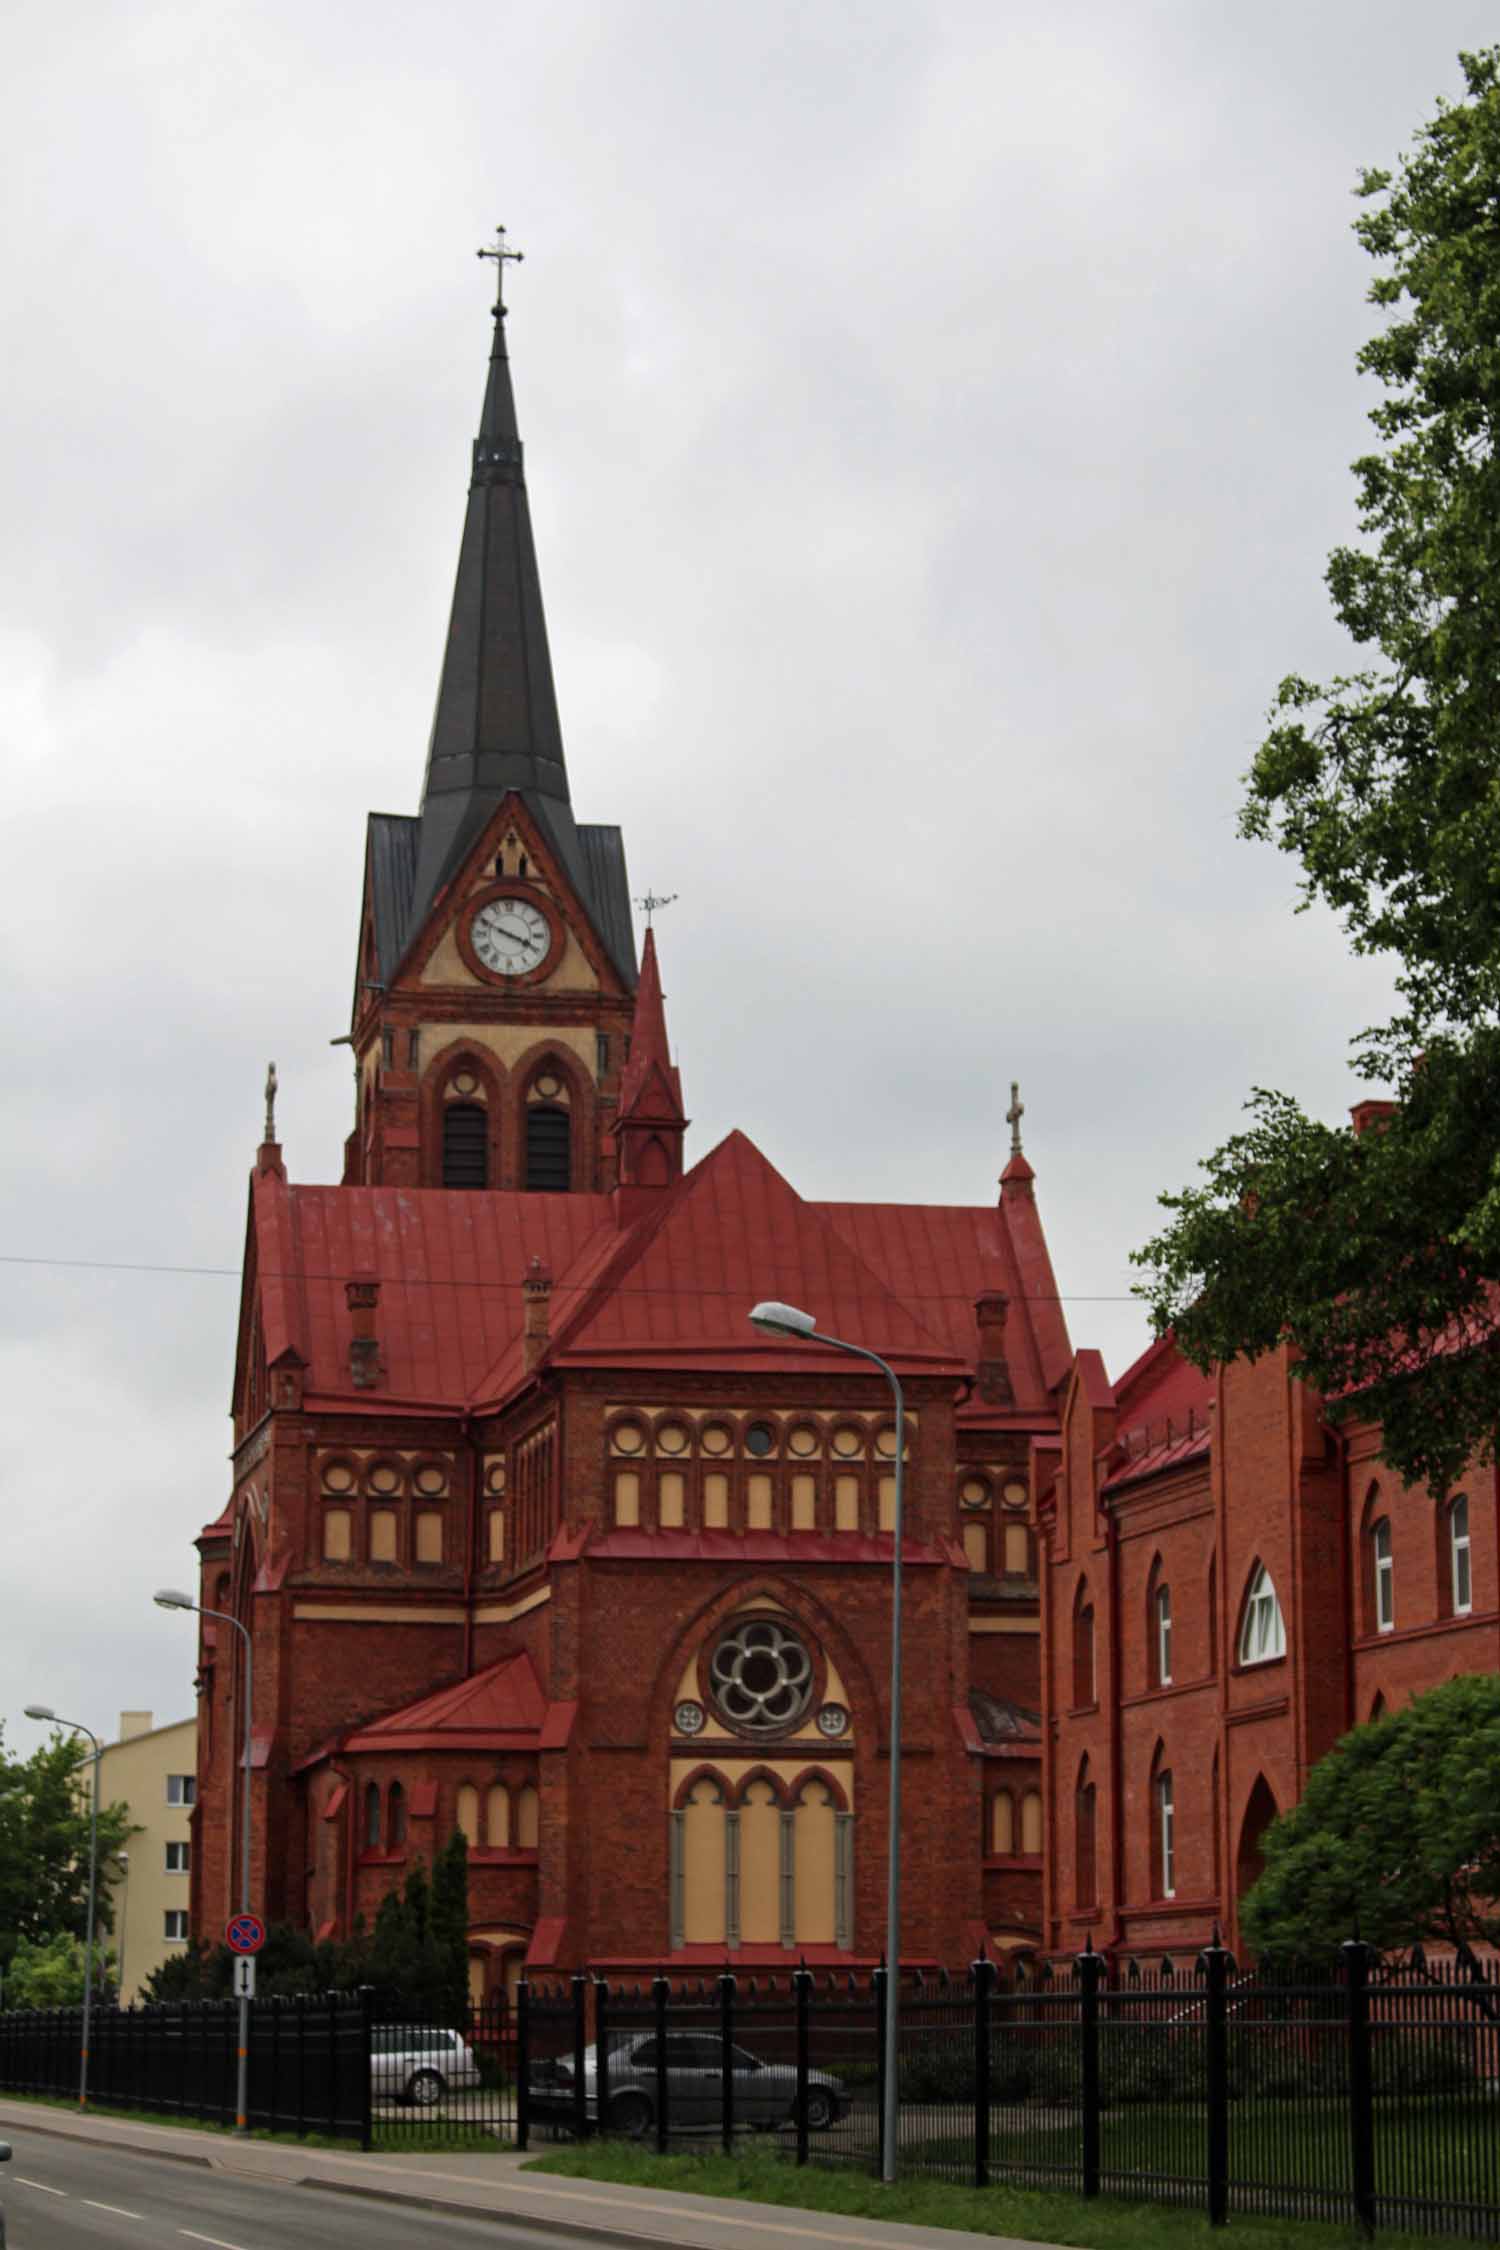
(498, 2187)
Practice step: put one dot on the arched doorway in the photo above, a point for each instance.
(1260, 1811)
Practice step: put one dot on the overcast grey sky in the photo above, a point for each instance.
(937, 418)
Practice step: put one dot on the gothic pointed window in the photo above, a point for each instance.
(1165, 1836)
(549, 1149)
(372, 1816)
(1458, 1554)
(1085, 1870)
(395, 1816)
(1083, 1647)
(1383, 1566)
(466, 1154)
(1263, 1632)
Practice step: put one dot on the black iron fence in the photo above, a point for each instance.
(1359, 2090)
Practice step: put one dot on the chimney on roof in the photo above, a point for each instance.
(991, 1308)
(362, 1297)
(536, 1296)
(133, 1723)
(1371, 1116)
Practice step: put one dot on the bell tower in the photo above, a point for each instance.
(496, 971)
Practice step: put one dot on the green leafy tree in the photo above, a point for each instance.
(44, 1844)
(449, 1924)
(1378, 1253)
(1396, 1837)
(49, 1973)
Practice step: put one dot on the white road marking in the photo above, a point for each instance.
(22, 2181)
(115, 2209)
(216, 2240)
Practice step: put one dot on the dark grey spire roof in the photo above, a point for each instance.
(496, 725)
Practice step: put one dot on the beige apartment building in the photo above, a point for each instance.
(153, 1770)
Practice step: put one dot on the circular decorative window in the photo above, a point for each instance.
(338, 1476)
(848, 1442)
(385, 1479)
(1015, 1496)
(628, 1438)
(885, 1440)
(494, 1477)
(803, 1440)
(432, 1480)
(833, 1720)
(671, 1438)
(715, 1438)
(760, 1439)
(689, 1718)
(974, 1493)
(464, 1082)
(549, 1085)
(762, 1676)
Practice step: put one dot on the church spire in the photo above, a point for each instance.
(496, 726)
(650, 1125)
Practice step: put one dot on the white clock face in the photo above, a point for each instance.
(510, 935)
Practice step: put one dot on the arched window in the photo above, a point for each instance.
(497, 1817)
(372, 1816)
(1163, 1834)
(468, 1813)
(1083, 1646)
(821, 1866)
(1213, 1613)
(1085, 1876)
(395, 1826)
(1458, 1555)
(1383, 1574)
(1161, 1635)
(549, 1149)
(1031, 1821)
(1002, 1822)
(527, 1820)
(466, 1145)
(1262, 1634)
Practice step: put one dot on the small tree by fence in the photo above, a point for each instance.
(1355, 2089)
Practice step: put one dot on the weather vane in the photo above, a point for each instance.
(502, 256)
(651, 904)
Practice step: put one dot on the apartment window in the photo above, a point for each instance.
(1458, 1548)
(1166, 1837)
(1263, 1633)
(182, 1789)
(179, 1859)
(1385, 1574)
(175, 1925)
(1162, 1628)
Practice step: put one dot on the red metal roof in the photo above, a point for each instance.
(502, 1704)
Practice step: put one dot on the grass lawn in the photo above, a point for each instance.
(1031, 2215)
(418, 2136)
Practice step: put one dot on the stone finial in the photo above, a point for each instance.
(269, 1134)
(1014, 1115)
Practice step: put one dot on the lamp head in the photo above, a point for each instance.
(773, 1319)
(169, 1598)
(40, 1711)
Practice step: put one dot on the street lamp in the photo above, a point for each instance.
(169, 1598)
(122, 1861)
(46, 1712)
(787, 1321)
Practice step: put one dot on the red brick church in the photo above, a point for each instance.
(537, 1537)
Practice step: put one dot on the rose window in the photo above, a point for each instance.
(762, 1676)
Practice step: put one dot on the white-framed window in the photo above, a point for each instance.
(1163, 1626)
(1263, 1635)
(179, 1859)
(182, 1789)
(1384, 1567)
(1458, 1549)
(1166, 1841)
(175, 1925)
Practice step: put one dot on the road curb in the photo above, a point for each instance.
(590, 2230)
(105, 2140)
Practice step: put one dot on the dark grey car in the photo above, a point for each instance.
(765, 2093)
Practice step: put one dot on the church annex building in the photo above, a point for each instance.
(537, 1537)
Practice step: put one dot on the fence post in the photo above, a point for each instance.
(580, 2044)
(523, 2062)
(984, 1983)
(726, 2059)
(333, 2066)
(802, 1986)
(659, 1991)
(601, 2055)
(878, 1985)
(367, 2082)
(1215, 1961)
(1361, 2089)
(1090, 1973)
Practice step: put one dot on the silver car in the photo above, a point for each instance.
(418, 2063)
(765, 2093)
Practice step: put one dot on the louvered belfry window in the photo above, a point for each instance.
(548, 1149)
(465, 1146)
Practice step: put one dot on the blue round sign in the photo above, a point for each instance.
(246, 1933)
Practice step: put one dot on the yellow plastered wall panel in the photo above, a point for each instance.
(627, 1496)
(497, 1535)
(527, 1816)
(1003, 1823)
(468, 1812)
(716, 1500)
(758, 1497)
(1017, 1550)
(804, 1503)
(846, 1503)
(814, 1863)
(382, 1535)
(1031, 1822)
(887, 1503)
(429, 1536)
(703, 1864)
(336, 1535)
(497, 1817)
(760, 1866)
(671, 1499)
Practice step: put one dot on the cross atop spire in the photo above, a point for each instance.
(1014, 1115)
(503, 255)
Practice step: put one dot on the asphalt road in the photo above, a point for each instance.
(65, 2195)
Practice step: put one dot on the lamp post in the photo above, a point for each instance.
(122, 1861)
(169, 1598)
(786, 1320)
(45, 1711)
